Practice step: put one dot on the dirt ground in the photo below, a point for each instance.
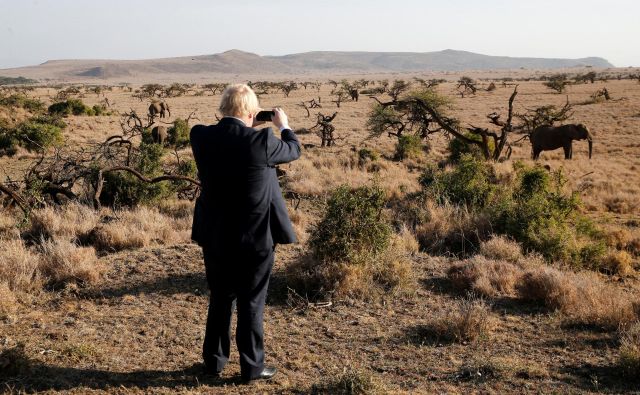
(140, 329)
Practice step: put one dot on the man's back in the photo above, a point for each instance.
(241, 203)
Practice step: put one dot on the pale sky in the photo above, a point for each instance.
(33, 31)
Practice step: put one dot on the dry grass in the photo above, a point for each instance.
(484, 276)
(618, 262)
(389, 274)
(452, 229)
(583, 297)
(63, 262)
(68, 222)
(18, 266)
(8, 301)
(8, 228)
(350, 382)
(137, 228)
(177, 209)
(622, 203)
(501, 248)
(630, 350)
(468, 320)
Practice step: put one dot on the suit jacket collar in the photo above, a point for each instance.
(231, 121)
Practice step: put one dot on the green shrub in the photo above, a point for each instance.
(179, 133)
(365, 154)
(22, 101)
(124, 189)
(68, 107)
(533, 208)
(544, 218)
(8, 143)
(458, 147)
(409, 146)
(146, 136)
(37, 136)
(471, 182)
(353, 226)
(99, 110)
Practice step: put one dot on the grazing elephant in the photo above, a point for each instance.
(158, 108)
(548, 138)
(159, 134)
(354, 94)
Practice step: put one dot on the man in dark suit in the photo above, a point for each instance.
(239, 217)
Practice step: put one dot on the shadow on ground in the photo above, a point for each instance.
(25, 376)
(195, 283)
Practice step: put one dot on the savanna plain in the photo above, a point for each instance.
(422, 267)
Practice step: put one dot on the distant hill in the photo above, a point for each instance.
(244, 63)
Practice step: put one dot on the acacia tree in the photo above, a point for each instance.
(557, 83)
(543, 116)
(466, 85)
(423, 113)
(324, 129)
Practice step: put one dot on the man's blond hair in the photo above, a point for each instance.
(238, 100)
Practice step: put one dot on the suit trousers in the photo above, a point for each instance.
(238, 278)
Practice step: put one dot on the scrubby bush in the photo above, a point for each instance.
(22, 101)
(540, 215)
(409, 146)
(35, 134)
(365, 154)
(123, 188)
(353, 251)
(179, 133)
(38, 136)
(353, 225)
(459, 147)
(532, 208)
(68, 107)
(469, 183)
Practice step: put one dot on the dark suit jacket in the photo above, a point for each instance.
(241, 204)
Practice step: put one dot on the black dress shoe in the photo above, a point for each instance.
(208, 371)
(267, 373)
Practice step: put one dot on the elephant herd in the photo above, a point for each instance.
(543, 138)
(159, 133)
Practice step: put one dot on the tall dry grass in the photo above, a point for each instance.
(452, 229)
(583, 298)
(18, 266)
(63, 262)
(137, 228)
(468, 320)
(630, 350)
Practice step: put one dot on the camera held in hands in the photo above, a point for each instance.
(265, 116)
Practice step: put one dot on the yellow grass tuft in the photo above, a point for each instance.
(469, 320)
(68, 222)
(501, 248)
(137, 228)
(8, 300)
(63, 262)
(630, 350)
(618, 262)
(18, 266)
(484, 276)
(583, 297)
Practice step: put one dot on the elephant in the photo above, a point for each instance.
(548, 138)
(159, 108)
(354, 94)
(159, 134)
